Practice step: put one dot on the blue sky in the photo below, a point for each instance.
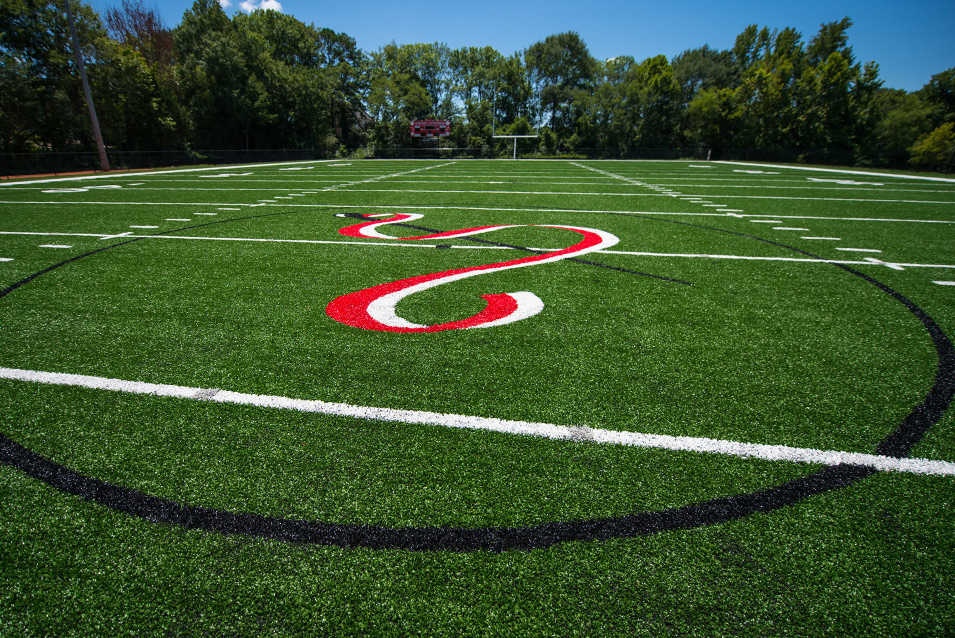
(910, 41)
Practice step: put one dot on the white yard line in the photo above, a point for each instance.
(867, 262)
(713, 196)
(527, 428)
(21, 232)
(500, 209)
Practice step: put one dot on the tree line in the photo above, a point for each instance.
(265, 80)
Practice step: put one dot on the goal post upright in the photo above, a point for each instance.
(513, 137)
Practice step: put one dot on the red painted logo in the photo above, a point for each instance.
(375, 308)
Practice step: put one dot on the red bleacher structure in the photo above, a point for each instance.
(430, 128)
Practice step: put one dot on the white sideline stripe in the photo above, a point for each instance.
(944, 283)
(834, 170)
(789, 228)
(860, 250)
(826, 238)
(147, 173)
(545, 430)
(6, 258)
(54, 246)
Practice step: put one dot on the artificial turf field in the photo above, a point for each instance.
(729, 417)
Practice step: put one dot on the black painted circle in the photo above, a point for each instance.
(159, 510)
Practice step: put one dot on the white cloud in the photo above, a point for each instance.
(225, 4)
(251, 5)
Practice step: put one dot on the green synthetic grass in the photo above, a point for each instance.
(774, 352)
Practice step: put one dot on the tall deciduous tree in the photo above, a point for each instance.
(695, 70)
(560, 69)
(41, 101)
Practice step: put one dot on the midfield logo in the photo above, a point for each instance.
(375, 308)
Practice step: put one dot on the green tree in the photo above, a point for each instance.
(219, 91)
(41, 101)
(608, 118)
(475, 74)
(696, 70)
(712, 120)
(146, 112)
(940, 93)
(936, 150)
(261, 80)
(654, 98)
(396, 96)
(561, 70)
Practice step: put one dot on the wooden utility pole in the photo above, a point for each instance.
(104, 162)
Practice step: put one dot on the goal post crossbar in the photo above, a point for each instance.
(515, 138)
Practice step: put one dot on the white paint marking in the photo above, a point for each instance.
(944, 283)
(592, 211)
(860, 250)
(128, 232)
(609, 252)
(879, 262)
(328, 242)
(210, 214)
(788, 228)
(545, 430)
(227, 209)
(177, 219)
(766, 221)
(151, 173)
(824, 238)
(844, 182)
(846, 172)
(228, 175)
(144, 226)
(21, 232)
(54, 246)
(6, 258)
